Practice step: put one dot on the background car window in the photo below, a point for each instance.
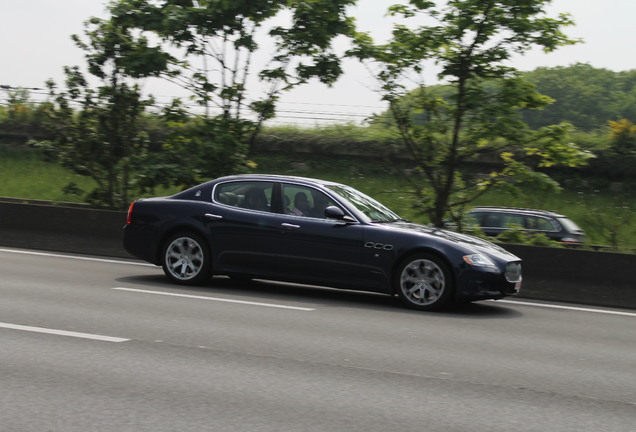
(305, 201)
(541, 224)
(247, 195)
(502, 220)
(474, 218)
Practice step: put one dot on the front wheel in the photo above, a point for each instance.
(186, 259)
(424, 282)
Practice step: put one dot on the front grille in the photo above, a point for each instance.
(513, 272)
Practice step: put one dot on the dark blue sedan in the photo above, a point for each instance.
(313, 232)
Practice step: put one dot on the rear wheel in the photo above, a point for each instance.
(424, 282)
(186, 260)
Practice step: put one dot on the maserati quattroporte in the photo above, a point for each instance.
(315, 232)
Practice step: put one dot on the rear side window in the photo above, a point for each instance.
(502, 220)
(540, 224)
(247, 195)
(474, 218)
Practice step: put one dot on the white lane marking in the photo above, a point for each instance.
(572, 308)
(62, 333)
(75, 257)
(271, 305)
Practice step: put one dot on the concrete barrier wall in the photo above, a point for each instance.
(580, 276)
(566, 275)
(63, 228)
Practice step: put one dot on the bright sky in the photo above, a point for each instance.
(35, 45)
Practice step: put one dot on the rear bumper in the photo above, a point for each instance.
(141, 242)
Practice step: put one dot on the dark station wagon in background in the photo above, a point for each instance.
(495, 220)
(315, 232)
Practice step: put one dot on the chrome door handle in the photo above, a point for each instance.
(213, 216)
(288, 225)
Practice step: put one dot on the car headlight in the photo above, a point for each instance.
(479, 260)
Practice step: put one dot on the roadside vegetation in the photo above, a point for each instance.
(608, 216)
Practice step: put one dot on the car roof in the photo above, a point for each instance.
(519, 210)
(275, 178)
(306, 181)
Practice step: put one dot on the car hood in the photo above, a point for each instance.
(466, 241)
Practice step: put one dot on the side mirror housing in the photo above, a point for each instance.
(333, 212)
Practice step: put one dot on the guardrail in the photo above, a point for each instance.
(565, 275)
(72, 228)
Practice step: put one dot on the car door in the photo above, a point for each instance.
(494, 223)
(542, 225)
(243, 228)
(313, 248)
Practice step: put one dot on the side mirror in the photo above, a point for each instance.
(333, 212)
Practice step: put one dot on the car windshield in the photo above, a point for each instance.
(370, 208)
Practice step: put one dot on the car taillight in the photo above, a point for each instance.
(569, 241)
(130, 211)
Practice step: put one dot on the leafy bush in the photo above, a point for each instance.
(343, 139)
(21, 113)
(540, 239)
(475, 230)
(517, 235)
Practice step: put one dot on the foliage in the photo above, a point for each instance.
(345, 139)
(518, 235)
(471, 45)
(208, 46)
(100, 139)
(584, 96)
(192, 150)
(475, 230)
(623, 137)
(20, 113)
(616, 160)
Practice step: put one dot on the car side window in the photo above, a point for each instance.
(541, 224)
(492, 220)
(247, 195)
(513, 221)
(474, 218)
(503, 220)
(305, 201)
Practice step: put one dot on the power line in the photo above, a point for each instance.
(286, 112)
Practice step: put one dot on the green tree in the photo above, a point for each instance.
(20, 113)
(626, 95)
(96, 132)
(584, 96)
(210, 47)
(472, 44)
(617, 163)
(623, 137)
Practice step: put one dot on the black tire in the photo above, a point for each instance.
(186, 260)
(424, 282)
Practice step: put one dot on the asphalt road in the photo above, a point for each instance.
(106, 345)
